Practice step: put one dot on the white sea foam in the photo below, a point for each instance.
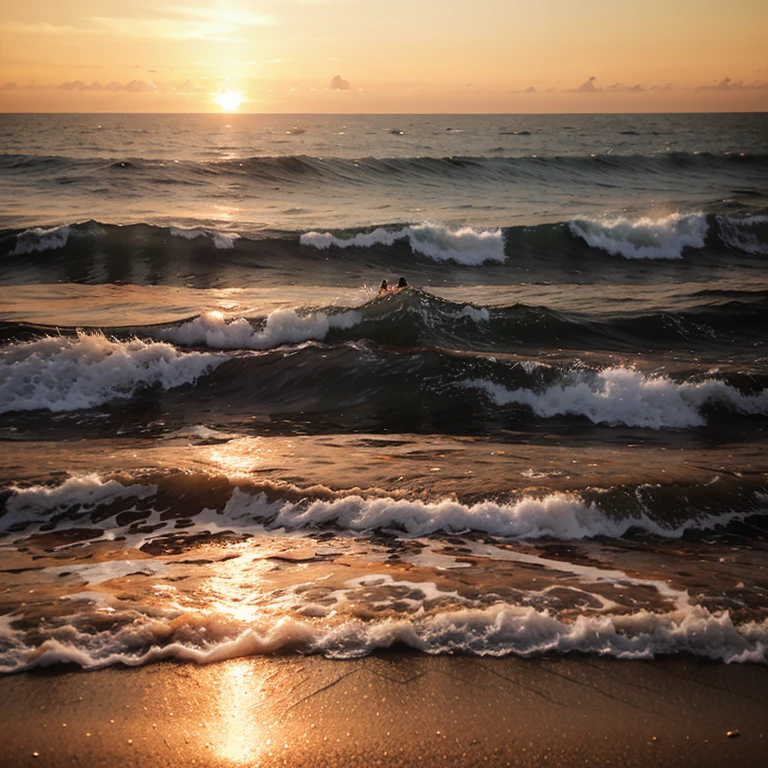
(221, 240)
(558, 515)
(564, 516)
(283, 326)
(476, 314)
(749, 234)
(39, 502)
(495, 631)
(97, 573)
(644, 238)
(626, 396)
(39, 240)
(66, 374)
(464, 246)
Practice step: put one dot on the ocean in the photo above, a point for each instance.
(217, 439)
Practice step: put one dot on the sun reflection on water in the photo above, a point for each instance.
(240, 457)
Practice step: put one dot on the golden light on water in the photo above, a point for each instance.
(229, 100)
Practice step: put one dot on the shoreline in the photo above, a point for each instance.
(391, 708)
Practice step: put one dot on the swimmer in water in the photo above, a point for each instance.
(386, 288)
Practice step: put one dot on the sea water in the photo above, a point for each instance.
(218, 439)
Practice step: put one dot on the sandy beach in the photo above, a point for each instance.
(390, 709)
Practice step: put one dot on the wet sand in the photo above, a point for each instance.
(390, 709)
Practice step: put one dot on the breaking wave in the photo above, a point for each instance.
(66, 374)
(466, 245)
(626, 396)
(644, 238)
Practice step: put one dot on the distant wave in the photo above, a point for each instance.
(224, 241)
(61, 374)
(464, 246)
(303, 169)
(155, 254)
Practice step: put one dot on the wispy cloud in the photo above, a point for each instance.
(726, 84)
(42, 28)
(180, 23)
(133, 86)
(621, 88)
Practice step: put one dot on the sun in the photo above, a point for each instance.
(229, 100)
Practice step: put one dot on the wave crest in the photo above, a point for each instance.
(625, 396)
(466, 245)
(67, 374)
(644, 238)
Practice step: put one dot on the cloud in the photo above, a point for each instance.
(338, 83)
(79, 85)
(726, 84)
(134, 86)
(619, 88)
(588, 86)
(40, 28)
(188, 87)
(177, 23)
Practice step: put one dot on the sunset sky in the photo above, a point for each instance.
(354, 56)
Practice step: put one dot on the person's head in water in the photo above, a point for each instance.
(401, 283)
(383, 286)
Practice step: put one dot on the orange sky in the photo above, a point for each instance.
(370, 56)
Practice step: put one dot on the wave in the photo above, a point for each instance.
(224, 241)
(243, 615)
(416, 318)
(748, 234)
(303, 169)
(94, 252)
(60, 374)
(253, 507)
(413, 317)
(39, 240)
(283, 326)
(496, 631)
(644, 238)
(281, 371)
(625, 396)
(464, 246)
